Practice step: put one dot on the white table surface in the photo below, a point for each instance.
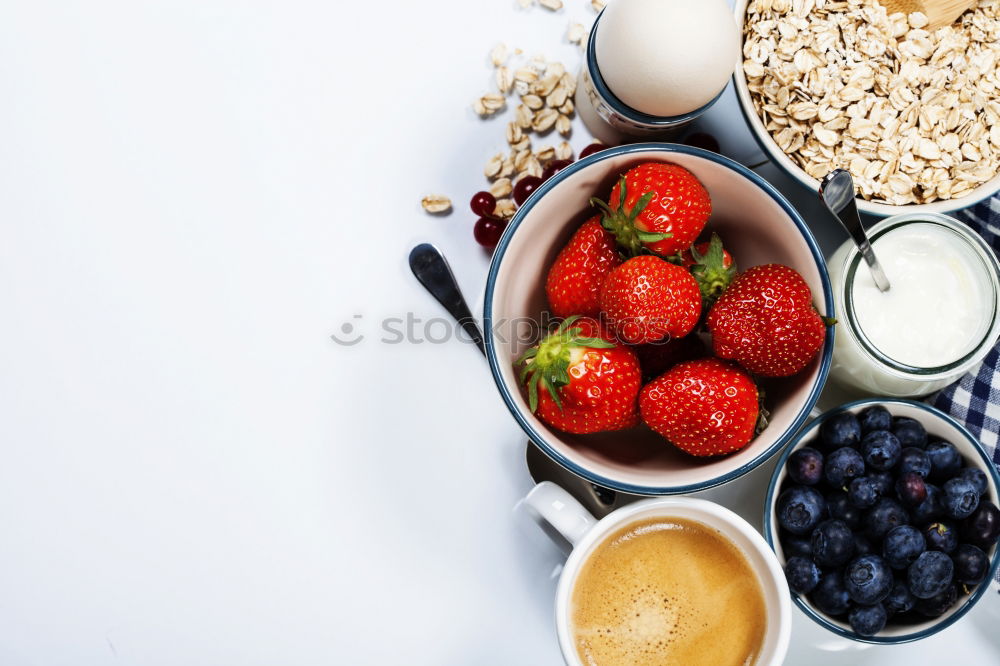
(194, 195)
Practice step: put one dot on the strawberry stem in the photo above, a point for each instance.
(621, 222)
(546, 365)
(710, 271)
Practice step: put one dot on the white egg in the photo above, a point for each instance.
(666, 57)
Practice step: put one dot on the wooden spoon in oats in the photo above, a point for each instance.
(939, 13)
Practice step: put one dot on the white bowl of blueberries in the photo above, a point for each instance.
(884, 515)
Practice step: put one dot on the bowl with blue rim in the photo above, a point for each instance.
(852, 572)
(757, 225)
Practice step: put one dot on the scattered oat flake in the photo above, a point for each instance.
(564, 151)
(501, 188)
(533, 102)
(575, 33)
(436, 203)
(554, 5)
(545, 154)
(563, 125)
(504, 79)
(505, 208)
(493, 166)
(525, 3)
(544, 120)
(597, 5)
(489, 104)
(499, 55)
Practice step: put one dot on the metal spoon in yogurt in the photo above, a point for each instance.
(837, 192)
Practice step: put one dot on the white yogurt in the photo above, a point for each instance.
(934, 313)
(934, 324)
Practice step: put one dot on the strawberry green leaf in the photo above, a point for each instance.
(621, 222)
(711, 272)
(553, 392)
(533, 393)
(648, 237)
(593, 343)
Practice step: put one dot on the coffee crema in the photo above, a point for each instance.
(667, 591)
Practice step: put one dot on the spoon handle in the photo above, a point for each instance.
(837, 192)
(850, 218)
(432, 270)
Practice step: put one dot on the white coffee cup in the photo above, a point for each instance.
(552, 506)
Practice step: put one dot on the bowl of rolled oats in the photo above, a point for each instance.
(914, 115)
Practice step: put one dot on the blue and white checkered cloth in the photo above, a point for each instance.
(975, 399)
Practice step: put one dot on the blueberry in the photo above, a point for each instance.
(830, 596)
(982, 528)
(805, 466)
(902, 545)
(881, 450)
(912, 459)
(867, 620)
(945, 460)
(800, 509)
(796, 545)
(875, 417)
(930, 574)
(960, 498)
(971, 564)
(868, 579)
(838, 430)
(911, 489)
(802, 574)
(862, 492)
(900, 599)
(886, 514)
(941, 536)
(931, 508)
(843, 465)
(977, 477)
(884, 482)
(862, 546)
(939, 604)
(841, 508)
(832, 543)
(909, 432)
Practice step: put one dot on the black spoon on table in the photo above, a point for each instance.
(432, 270)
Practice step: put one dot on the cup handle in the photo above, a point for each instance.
(548, 503)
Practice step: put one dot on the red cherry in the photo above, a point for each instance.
(525, 187)
(554, 167)
(483, 204)
(702, 140)
(488, 231)
(591, 149)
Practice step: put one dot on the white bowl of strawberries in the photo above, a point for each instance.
(655, 319)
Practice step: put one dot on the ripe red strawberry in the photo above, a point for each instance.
(656, 205)
(766, 321)
(656, 358)
(712, 266)
(648, 298)
(579, 381)
(706, 408)
(574, 281)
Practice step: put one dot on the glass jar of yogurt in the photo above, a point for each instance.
(937, 321)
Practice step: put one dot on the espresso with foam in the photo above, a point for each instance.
(667, 591)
